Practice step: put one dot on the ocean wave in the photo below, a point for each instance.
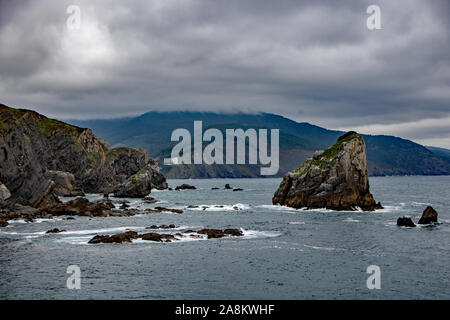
(391, 208)
(40, 220)
(420, 204)
(24, 233)
(278, 207)
(103, 230)
(297, 222)
(323, 248)
(351, 220)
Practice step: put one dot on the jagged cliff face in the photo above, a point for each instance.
(31, 145)
(336, 178)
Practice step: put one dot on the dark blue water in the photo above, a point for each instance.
(285, 253)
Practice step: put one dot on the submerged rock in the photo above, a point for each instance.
(117, 238)
(405, 222)
(150, 200)
(3, 223)
(161, 209)
(429, 215)
(217, 233)
(163, 226)
(81, 207)
(13, 211)
(56, 230)
(336, 179)
(185, 186)
(158, 237)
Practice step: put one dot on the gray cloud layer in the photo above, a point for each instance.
(312, 61)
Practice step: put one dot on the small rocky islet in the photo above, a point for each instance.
(429, 217)
(336, 179)
(129, 236)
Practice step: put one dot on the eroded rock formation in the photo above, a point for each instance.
(429, 215)
(335, 178)
(405, 222)
(129, 236)
(42, 157)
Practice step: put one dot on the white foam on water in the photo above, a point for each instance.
(253, 234)
(104, 230)
(24, 233)
(289, 209)
(351, 220)
(278, 207)
(323, 248)
(40, 220)
(217, 207)
(390, 208)
(297, 222)
(175, 229)
(419, 204)
(391, 223)
(75, 240)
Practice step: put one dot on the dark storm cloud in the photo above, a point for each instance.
(310, 60)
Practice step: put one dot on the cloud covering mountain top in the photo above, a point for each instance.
(312, 61)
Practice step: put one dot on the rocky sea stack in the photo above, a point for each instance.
(42, 158)
(336, 179)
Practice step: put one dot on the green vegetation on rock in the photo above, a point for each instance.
(329, 156)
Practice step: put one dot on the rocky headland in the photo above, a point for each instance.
(42, 158)
(336, 178)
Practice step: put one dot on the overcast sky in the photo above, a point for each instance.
(313, 61)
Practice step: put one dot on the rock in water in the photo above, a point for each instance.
(56, 230)
(429, 215)
(336, 179)
(405, 222)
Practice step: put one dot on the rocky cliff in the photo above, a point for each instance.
(336, 179)
(40, 157)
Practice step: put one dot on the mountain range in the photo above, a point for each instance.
(386, 155)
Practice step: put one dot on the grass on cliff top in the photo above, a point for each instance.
(43, 124)
(329, 155)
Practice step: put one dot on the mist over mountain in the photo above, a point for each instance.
(387, 155)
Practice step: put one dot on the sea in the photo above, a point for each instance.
(284, 254)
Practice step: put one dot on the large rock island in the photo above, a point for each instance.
(336, 179)
(42, 158)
